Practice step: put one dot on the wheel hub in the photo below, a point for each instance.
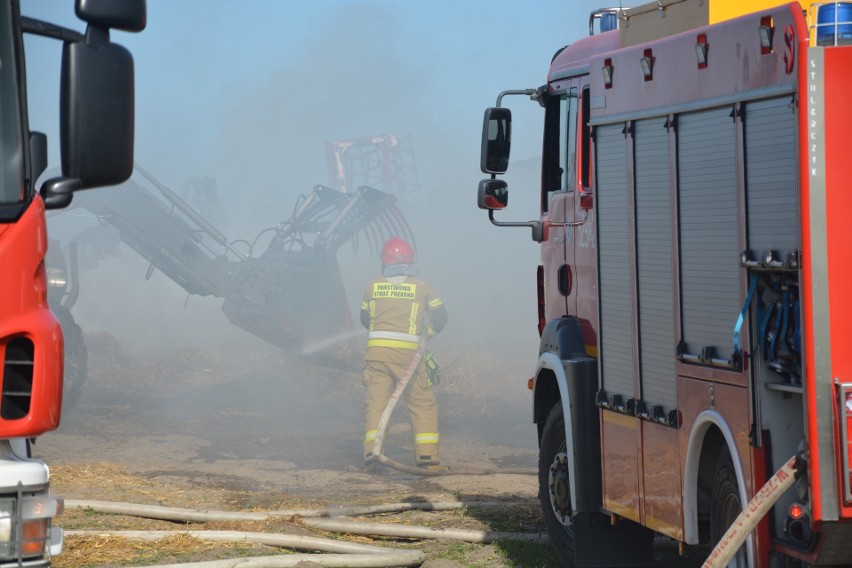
(559, 489)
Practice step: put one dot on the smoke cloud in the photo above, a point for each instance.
(211, 103)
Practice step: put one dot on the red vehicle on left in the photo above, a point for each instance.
(96, 131)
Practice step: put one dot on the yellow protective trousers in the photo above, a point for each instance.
(384, 368)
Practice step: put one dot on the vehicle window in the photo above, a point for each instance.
(560, 146)
(569, 144)
(586, 149)
(12, 188)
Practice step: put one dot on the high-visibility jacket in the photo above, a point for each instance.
(399, 315)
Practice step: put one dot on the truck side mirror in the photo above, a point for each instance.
(128, 16)
(96, 111)
(96, 104)
(493, 194)
(496, 140)
(96, 96)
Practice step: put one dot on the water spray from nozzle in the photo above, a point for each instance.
(331, 341)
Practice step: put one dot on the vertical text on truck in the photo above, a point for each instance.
(96, 132)
(695, 285)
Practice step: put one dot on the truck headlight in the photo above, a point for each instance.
(25, 530)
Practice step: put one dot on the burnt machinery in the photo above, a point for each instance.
(284, 286)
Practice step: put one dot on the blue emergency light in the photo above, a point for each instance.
(834, 24)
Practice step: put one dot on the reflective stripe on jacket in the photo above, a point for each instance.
(399, 313)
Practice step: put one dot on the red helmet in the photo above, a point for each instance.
(397, 251)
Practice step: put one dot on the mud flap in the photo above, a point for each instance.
(599, 543)
(564, 337)
(581, 376)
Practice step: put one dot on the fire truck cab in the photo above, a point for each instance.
(695, 289)
(96, 111)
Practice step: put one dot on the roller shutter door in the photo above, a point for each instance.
(709, 255)
(654, 264)
(616, 326)
(770, 141)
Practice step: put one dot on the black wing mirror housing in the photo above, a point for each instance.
(496, 140)
(127, 15)
(493, 194)
(97, 109)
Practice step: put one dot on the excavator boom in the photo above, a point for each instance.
(291, 293)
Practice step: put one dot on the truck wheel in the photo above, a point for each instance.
(726, 506)
(76, 357)
(554, 486)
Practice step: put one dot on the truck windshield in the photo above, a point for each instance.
(11, 144)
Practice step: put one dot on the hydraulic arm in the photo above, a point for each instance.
(290, 292)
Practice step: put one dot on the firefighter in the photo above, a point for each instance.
(401, 311)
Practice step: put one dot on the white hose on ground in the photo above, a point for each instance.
(752, 513)
(179, 514)
(166, 513)
(400, 560)
(296, 542)
(353, 556)
(358, 555)
(408, 531)
(299, 560)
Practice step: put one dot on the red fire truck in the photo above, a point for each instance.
(96, 115)
(695, 286)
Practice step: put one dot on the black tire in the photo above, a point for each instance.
(726, 504)
(76, 360)
(554, 487)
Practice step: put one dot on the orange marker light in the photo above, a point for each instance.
(796, 511)
(35, 534)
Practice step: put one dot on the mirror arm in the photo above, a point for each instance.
(96, 37)
(58, 192)
(534, 94)
(529, 92)
(536, 226)
(46, 29)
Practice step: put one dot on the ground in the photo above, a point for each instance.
(263, 431)
(197, 428)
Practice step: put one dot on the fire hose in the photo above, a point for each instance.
(379, 456)
(751, 515)
(337, 553)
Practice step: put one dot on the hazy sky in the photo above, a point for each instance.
(206, 67)
(248, 92)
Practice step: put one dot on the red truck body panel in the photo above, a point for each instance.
(695, 291)
(25, 315)
(649, 468)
